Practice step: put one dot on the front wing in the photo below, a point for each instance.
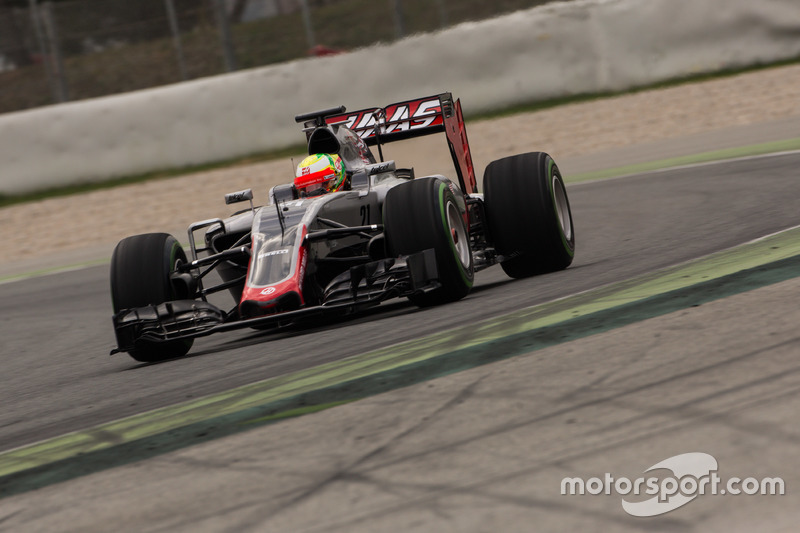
(363, 286)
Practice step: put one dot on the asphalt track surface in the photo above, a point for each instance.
(55, 331)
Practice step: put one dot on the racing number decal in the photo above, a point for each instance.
(365, 214)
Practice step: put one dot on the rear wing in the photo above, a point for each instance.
(416, 118)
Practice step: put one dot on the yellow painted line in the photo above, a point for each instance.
(761, 252)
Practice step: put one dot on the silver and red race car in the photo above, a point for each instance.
(388, 234)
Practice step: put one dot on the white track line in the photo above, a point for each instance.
(689, 166)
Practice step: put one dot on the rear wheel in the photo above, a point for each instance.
(528, 214)
(424, 214)
(140, 275)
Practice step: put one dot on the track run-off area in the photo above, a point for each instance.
(673, 331)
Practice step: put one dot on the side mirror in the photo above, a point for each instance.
(239, 196)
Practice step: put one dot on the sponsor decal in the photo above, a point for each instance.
(406, 116)
(268, 291)
(379, 168)
(273, 252)
(690, 475)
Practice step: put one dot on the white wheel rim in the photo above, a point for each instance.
(458, 235)
(562, 207)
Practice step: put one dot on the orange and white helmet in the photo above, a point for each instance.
(319, 174)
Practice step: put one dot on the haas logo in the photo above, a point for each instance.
(268, 291)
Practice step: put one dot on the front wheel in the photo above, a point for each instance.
(528, 214)
(141, 269)
(424, 214)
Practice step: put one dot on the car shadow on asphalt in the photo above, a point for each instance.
(384, 311)
(319, 325)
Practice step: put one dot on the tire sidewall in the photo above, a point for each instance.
(521, 201)
(416, 219)
(445, 197)
(554, 179)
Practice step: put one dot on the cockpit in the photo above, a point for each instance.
(338, 139)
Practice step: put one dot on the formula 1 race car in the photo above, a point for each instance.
(387, 234)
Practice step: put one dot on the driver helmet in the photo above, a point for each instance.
(319, 174)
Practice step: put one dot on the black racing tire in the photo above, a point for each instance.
(528, 214)
(140, 275)
(424, 214)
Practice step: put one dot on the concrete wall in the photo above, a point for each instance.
(554, 50)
